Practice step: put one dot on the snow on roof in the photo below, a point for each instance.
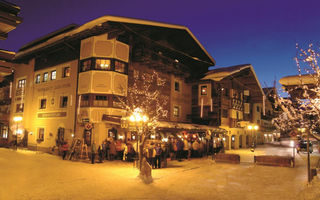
(221, 73)
(297, 80)
(104, 19)
(6, 55)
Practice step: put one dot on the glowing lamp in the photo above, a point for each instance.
(144, 118)
(132, 118)
(17, 118)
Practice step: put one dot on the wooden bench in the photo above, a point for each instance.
(282, 161)
(229, 158)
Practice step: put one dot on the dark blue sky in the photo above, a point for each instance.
(260, 32)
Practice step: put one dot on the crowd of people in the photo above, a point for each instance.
(154, 151)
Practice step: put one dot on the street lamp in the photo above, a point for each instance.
(253, 127)
(17, 119)
(256, 127)
(139, 119)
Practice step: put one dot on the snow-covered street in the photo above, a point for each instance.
(31, 175)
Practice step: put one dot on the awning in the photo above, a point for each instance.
(112, 119)
(188, 127)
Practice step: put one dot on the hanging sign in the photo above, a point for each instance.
(88, 126)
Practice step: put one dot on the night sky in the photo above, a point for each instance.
(260, 32)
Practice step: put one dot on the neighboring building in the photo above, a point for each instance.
(70, 83)
(6, 78)
(9, 19)
(231, 98)
(271, 111)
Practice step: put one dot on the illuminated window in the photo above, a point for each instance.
(53, 75)
(176, 111)
(119, 66)
(43, 103)
(103, 64)
(64, 102)
(22, 83)
(38, 78)
(176, 86)
(19, 107)
(86, 65)
(84, 100)
(66, 72)
(101, 101)
(204, 90)
(45, 77)
(40, 134)
(5, 131)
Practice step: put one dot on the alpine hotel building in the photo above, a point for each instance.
(68, 84)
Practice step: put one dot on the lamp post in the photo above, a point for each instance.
(17, 119)
(139, 120)
(253, 127)
(256, 127)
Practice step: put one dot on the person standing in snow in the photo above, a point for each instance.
(179, 149)
(100, 153)
(157, 160)
(195, 147)
(104, 152)
(125, 152)
(64, 149)
(112, 151)
(93, 152)
(151, 154)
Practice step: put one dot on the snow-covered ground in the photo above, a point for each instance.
(30, 175)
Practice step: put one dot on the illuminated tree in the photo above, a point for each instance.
(147, 96)
(302, 109)
(302, 106)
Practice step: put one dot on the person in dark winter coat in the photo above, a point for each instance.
(151, 154)
(157, 159)
(100, 153)
(104, 152)
(113, 151)
(64, 149)
(179, 149)
(93, 152)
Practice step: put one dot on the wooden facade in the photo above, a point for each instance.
(95, 84)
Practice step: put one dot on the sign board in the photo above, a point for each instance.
(85, 120)
(88, 126)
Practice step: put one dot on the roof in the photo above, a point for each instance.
(304, 79)
(221, 73)
(8, 18)
(181, 36)
(5, 64)
(6, 55)
(189, 127)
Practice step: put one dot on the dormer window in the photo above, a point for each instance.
(45, 77)
(53, 75)
(38, 78)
